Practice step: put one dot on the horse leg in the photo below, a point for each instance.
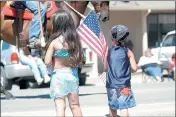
(7, 32)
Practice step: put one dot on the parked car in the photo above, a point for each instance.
(166, 49)
(16, 73)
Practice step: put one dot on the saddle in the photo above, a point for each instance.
(10, 10)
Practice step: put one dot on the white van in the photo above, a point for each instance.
(12, 71)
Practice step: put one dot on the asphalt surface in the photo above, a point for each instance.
(152, 99)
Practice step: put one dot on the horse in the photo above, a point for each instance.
(9, 27)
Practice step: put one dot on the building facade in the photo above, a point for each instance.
(148, 22)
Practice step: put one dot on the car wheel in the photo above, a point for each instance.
(82, 79)
(23, 84)
(33, 85)
(6, 83)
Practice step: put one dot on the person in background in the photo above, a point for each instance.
(36, 64)
(34, 30)
(64, 53)
(151, 65)
(118, 63)
(173, 65)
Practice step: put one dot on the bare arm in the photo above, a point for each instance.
(132, 60)
(105, 60)
(49, 55)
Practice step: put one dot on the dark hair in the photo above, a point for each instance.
(121, 41)
(174, 55)
(63, 24)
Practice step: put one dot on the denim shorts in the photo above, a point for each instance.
(118, 101)
(63, 82)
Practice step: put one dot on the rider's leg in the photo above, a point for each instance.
(43, 69)
(34, 30)
(32, 64)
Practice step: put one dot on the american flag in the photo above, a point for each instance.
(90, 33)
(103, 78)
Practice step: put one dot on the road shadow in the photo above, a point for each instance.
(47, 96)
(107, 115)
(86, 85)
(87, 94)
(48, 85)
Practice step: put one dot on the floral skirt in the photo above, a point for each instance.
(63, 82)
(118, 101)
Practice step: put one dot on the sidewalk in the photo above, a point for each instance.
(155, 109)
(136, 78)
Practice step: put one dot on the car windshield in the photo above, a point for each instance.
(170, 41)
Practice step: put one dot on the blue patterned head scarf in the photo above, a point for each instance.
(119, 33)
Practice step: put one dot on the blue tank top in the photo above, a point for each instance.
(118, 68)
(63, 53)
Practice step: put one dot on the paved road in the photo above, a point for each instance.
(155, 99)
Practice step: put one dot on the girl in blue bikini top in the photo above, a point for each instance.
(65, 54)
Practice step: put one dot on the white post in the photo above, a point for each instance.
(145, 34)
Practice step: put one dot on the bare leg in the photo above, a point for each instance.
(60, 107)
(124, 113)
(74, 105)
(112, 113)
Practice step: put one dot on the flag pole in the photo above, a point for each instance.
(75, 10)
(41, 27)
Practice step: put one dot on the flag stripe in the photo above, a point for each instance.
(91, 46)
(103, 78)
(92, 34)
(90, 39)
(96, 50)
(93, 39)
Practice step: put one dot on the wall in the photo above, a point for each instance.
(135, 22)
